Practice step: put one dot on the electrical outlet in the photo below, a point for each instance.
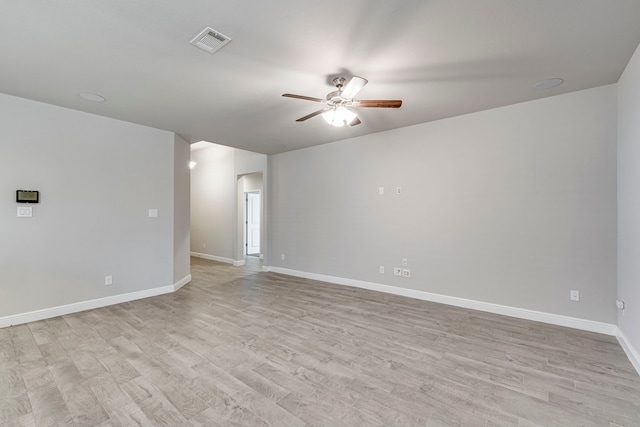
(405, 262)
(283, 257)
(620, 304)
(108, 280)
(381, 268)
(397, 271)
(575, 295)
(406, 272)
(381, 191)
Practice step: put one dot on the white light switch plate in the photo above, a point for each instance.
(25, 211)
(153, 213)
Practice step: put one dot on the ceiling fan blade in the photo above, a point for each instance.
(353, 87)
(315, 113)
(355, 122)
(378, 103)
(306, 98)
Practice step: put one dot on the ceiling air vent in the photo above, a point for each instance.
(210, 40)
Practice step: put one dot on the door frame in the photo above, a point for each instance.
(246, 222)
(240, 212)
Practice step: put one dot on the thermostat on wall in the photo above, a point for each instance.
(27, 196)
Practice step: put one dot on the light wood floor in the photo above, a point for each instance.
(240, 347)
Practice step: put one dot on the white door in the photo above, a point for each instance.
(253, 223)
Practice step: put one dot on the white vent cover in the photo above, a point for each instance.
(210, 40)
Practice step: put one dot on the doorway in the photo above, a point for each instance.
(252, 223)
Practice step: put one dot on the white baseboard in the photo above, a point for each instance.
(521, 313)
(48, 313)
(180, 283)
(235, 262)
(75, 307)
(632, 353)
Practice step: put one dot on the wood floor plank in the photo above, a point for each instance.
(318, 410)
(257, 382)
(49, 408)
(14, 408)
(241, 347)
(108, 392)
(161, 412)
(84, 406)
(129, 415)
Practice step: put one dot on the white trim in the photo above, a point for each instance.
(632, 353)
(522, 313)
(75, 307)
(180, 283)
(234, 262)
(213, 258)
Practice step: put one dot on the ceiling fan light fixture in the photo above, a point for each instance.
(336, 112)
(330, 117)
(339, 116)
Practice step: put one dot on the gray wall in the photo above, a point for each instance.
(216, 199)
(98, 178)
(629, 201)
(513, 206)
(213, 201)
(252, 182)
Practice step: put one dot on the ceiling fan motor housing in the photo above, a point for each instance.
(334, 98)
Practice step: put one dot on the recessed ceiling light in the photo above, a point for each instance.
(548, 83)
(92, 97)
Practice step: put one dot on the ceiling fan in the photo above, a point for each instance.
(338, 112)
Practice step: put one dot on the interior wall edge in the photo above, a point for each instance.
(521, 313)
(632, 353)
(180, 283)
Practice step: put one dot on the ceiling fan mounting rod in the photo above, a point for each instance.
(339, 82)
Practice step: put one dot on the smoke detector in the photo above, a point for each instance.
(210, 40)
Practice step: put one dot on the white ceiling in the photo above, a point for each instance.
(441, 57)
